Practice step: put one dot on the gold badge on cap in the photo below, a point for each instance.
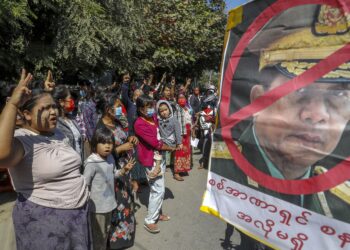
(330, 21)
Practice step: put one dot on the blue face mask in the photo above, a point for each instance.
(82, 93)
(150, 112)
(118, 112)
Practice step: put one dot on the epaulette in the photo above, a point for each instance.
(221, 151)
(342, 191)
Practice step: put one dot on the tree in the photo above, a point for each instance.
(15, 22)
(69, 36)
(86, 37)
(187, 36)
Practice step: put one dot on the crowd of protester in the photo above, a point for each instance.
(77, 154)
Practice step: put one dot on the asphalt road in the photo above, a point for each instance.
(188, 228)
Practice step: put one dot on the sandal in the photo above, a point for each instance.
(178, 177)
(164, 217)
(201, 166)
(152, 228)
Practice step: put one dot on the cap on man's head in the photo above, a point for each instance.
(300, 37)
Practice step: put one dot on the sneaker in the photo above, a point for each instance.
(152, 228)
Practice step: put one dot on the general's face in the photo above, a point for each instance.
(304, 126)
(43, 116)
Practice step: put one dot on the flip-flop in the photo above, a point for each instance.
(178, 178)
(153, 231)
(163, 217)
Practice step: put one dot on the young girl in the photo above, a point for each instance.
(99, 173)
(169, 131)
(123, 224)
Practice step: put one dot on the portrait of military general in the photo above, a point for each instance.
(304, 133)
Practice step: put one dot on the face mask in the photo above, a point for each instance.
(118, 112)
(150, 112)
(70, 107)
(182, 102)
(82, 93)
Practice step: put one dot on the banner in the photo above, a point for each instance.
(280, 157)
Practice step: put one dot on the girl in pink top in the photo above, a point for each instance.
(146, 130)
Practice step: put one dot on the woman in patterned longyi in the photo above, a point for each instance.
(113, 117)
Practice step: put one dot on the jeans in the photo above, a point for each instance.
(156, 195)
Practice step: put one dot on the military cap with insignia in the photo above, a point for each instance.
(314, 32)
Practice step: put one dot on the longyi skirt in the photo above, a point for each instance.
(39, 227)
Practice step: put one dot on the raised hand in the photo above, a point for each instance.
(21, 93)
(173, 80)
(130, 164)
(49, 84)
(188, 81)
(163, 77)
(150, 79)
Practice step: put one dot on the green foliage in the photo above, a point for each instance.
(88, 37)
(208, 77)
(187, 35)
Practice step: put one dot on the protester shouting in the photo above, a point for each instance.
(51, 209)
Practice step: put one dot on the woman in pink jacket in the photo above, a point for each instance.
(146, 129)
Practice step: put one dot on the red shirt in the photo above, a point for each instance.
(148, 142)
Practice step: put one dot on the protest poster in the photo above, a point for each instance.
(280, 158)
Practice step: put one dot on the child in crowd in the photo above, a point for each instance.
(169, 131)
(99, 173)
